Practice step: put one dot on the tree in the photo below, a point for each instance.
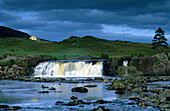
(159, 40)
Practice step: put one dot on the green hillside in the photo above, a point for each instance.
(73, 46)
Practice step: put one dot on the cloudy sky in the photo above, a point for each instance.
(55, 20)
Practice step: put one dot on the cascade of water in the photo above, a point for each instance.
(125, 63)
(69, 69)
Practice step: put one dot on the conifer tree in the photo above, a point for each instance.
(159, 40)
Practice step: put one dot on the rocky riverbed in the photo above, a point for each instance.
(147, 94)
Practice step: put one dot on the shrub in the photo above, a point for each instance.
(128, 72)
(104, 56)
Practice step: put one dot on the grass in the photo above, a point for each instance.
(73, 46)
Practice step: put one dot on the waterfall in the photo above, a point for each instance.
(86, 68)
(125, 63)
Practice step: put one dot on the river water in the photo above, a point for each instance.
(25, 95)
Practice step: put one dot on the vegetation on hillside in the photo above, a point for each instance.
(8, 32)
(72, 47)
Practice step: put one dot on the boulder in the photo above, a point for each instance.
(43, 92)
(79, 89)
(73, 98)
(133, 98)
(90, 86)
(119, 92)
(4, 106)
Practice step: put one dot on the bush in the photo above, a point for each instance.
(137, 54)
(104, 56)
(7, 63)
(128, 71)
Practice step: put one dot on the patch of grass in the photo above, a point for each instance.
(74, 46)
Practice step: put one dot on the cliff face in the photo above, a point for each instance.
(155, 65)
(111, 65)
(150, 65)
(18, 66)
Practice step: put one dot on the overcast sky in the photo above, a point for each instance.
(55, 20)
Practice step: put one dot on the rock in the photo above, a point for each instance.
(124, 97)
(116, 99)
(133, 98)
(90, 86)
(100, 108)
(131, 103)
(119, 92)
(70, 104)
(156, 105)
(162, 100)
(16, 107)
(144, 99)
(43, 87)
(168, 98)
(73, 98)
(52, 88)
(4, 106)
(101, 101)
(79, 89)
(59, 102)
(106, 80)
(98, 78)
(142, 105)
(163, 106)
(43, 92)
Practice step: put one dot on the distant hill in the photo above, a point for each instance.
(8, 32)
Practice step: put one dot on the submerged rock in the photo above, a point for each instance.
(59, 102)
(133, 98)
(52, 88)
(43, 92)
(119, 92)
(90, 86)
(79, 89)
(16, 107)
(4, 106)
(73, 98)
(43, 87)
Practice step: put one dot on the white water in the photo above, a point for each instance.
(69, 69)
(125, 63)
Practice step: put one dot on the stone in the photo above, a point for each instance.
(119, 92)
(59, 102)
(52, 88)
(131, 103)
(79, 89)
(43, 92)
(133, 98)
(4, 106)
(73, 98)
(16, 107)
(43, 87)
(106, 80)
(101, 101)
(90, 86)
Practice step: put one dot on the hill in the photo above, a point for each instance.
(8, 32)
(74, 46)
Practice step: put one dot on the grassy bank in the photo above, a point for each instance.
(72, 47)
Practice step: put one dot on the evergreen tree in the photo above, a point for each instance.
(159, 40)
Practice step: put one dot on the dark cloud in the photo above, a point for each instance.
(6, 16)
(111, 5)
(25, 24)
(59, 19)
